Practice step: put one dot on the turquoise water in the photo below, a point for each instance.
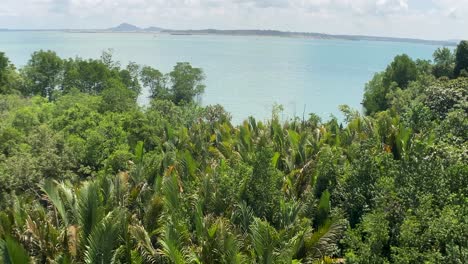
(247, 75)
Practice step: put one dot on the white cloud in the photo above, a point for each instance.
(418, 18)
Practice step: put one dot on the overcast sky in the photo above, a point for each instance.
(430, 19)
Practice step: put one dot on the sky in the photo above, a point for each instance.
(428, 19)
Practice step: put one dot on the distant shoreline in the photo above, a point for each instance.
(255, 33)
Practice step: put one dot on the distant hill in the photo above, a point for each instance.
(125, 27)
(154, 29)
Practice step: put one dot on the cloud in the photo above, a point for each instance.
(264, 3)
(357, 7)
(418, 18)
(391, 6)
(455, 9)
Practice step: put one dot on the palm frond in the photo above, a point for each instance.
(323, 242)
(243, 216)
(144, 245)
(51, 190)
(104, 239)
(12, 252)
(172, 251)
(264, 239)
(89, 212)
(289, 212)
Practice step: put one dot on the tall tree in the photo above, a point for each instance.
(43, 73)
(8, 75)
(4, 63)
(375, 93)
(88, 76)
(155, 81)
(402, 71)
(444, 62)
(187, 83)
(461, 59)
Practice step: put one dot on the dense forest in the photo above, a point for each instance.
(87, 175)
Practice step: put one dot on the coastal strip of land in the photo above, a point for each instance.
(128, 28)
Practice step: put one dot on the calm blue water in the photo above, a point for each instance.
(247, 75)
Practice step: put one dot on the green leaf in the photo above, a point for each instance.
(274, 160)
(12, 252)
(105, 238)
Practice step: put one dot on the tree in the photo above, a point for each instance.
(444, 96)
(261, 190)
(399, 73)
(155, 81)
(117, 98)
(8, 75)
(88, 76)
(198, 188)
(402, 71)
(375, 95)
(186, 83)
(444, 63)
(43, 73)
(129, 77)
(461, 59)
(4, 64)
(107, 57)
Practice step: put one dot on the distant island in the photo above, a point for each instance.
(125, 27)
(129, 28)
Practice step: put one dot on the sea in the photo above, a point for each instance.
(247, 75)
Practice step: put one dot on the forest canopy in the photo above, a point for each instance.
(89, 176)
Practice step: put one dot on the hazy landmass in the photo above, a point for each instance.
(276, 33)
(129, 28)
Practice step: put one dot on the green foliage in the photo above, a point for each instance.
(156, 82)
(399, 74)
(262, 187)
(401, 71)
(461, 59)
(89, 208)
(9, 78)
(446, 96)
(42, 73)
(265, 239)
(368, 243)
(103, 240)
(375, 94)
(323, 209)
(444, 61)
(186, 83)
(88, 176)
(4, 64)
(117, 97)
(182, 85)
(12, 252)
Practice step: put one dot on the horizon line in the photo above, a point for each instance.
(163, 29)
